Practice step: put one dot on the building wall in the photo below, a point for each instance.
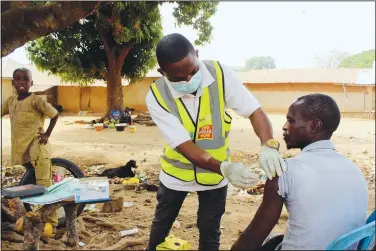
(98, 99)
(273, 97)
(69, 98)
(7, 89)
(278, 97)
(134, 94)
(94, 99)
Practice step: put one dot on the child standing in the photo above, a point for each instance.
(29, 141)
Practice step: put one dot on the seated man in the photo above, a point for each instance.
(325, 193)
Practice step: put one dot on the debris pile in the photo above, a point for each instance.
(144, 119)
(11, 175)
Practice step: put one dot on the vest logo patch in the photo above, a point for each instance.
(205, 132)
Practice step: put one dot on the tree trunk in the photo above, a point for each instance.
(114, 85)
(114, 90)
(115, 65)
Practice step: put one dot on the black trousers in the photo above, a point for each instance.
(212, 205)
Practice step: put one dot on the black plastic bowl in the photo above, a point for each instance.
(120, 128)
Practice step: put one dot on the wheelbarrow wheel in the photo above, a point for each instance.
(71, 169)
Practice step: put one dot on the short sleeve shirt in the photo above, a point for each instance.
(27, 121)
(237, 98)
(325, 195)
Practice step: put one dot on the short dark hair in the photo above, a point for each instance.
(173, 48)
(22, 69)
(322, 107)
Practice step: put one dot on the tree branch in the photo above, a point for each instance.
(123, 54)
(108, 43)
(23, 24)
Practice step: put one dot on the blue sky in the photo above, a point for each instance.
(290, 32)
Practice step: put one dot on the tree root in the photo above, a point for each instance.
(7, 215)
(99, 239)
(17, 207)
(101, 223)
(11, 236)
(126, 243)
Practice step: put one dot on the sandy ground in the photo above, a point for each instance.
(354, 138)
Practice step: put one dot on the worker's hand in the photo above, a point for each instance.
(239, 175)
(271, 162)
(43, 138)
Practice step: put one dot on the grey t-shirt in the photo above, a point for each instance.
(326, 195)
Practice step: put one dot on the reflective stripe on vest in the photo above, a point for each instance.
(210, 130)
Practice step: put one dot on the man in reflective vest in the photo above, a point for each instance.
(188, 104)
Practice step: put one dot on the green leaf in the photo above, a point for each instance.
(363, 59)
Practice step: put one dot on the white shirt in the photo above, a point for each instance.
(325, 195)
(238, 98)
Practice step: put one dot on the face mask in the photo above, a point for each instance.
(188, 87)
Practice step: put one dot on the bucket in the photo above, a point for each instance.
(98, 127)
(132, 129)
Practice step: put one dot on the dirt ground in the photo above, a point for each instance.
(355, 138)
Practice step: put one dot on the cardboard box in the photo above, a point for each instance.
(91, 189)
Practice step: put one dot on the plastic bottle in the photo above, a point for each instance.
(59, 174)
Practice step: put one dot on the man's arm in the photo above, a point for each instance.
(242, 101)
(49, 111)
(199, 157)
(264, 221)
(52, 124)
(178, 138)
(43, 137)
(261, 125)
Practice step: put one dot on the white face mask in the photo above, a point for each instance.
(188, 87)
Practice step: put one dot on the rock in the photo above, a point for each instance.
(113, 206)
(132, 187)
(117, 180)
(147, 201)
(176, 224)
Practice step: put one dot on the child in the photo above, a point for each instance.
(30, 145)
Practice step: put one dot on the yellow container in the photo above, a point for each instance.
(173, 243)
(47, 231)
(131, 181)
(132, 129)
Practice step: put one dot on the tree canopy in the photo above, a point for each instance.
(24, 21)
(363, 59)
(259, 63)
(117, 41)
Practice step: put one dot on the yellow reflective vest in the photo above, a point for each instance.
(209, 131)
